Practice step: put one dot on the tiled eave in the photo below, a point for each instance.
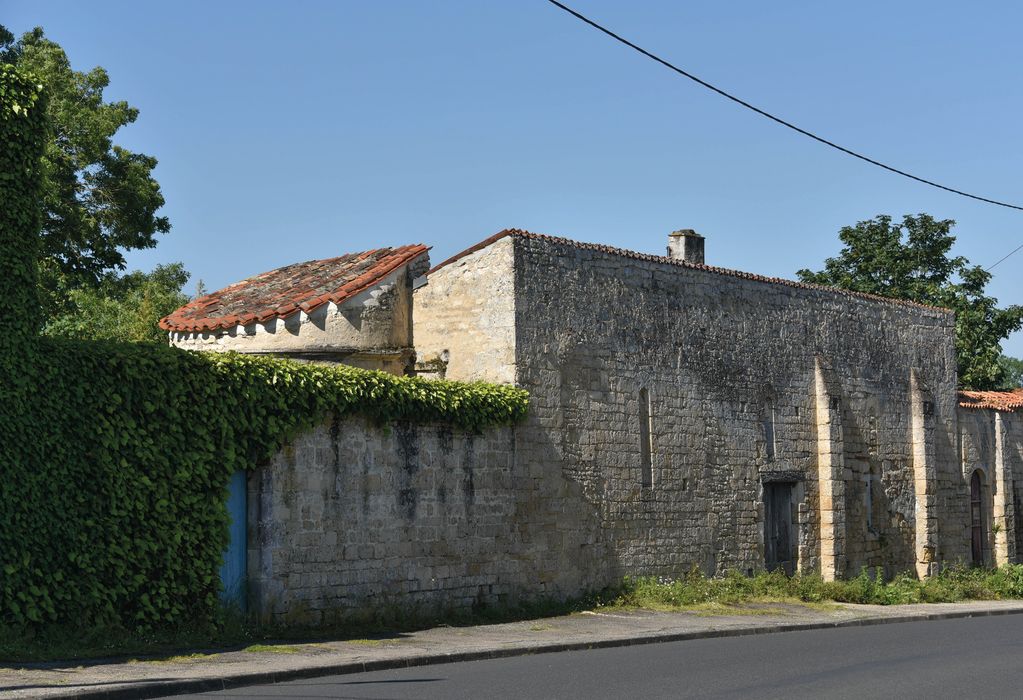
(1004, 401)
(282, 292)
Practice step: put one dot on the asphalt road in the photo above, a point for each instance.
(966, 658)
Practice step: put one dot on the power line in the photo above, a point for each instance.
(1015, 250)
(779, 120)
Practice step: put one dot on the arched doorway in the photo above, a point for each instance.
(977, 519)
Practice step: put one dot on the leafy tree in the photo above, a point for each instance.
(125, 307)
(1012, 373)
(99, 199)
(911, 260)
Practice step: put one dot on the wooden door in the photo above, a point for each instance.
(778, 548)
(233, 570)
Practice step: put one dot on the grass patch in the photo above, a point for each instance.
(719, 609)
(272, 648)
(181, 658)
(730, 594)
(694, 590)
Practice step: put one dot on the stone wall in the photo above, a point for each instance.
(749, 382)
(355, 518)
(991, 443)
(465, 317)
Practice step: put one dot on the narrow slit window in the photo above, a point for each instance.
(869, 500)
(769, 434)
(645, 444)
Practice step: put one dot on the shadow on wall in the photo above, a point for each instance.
(356, 520)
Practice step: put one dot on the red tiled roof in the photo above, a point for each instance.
(1007, 401)
(519, 233)
(303, 286)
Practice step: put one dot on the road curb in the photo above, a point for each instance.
(157, 689)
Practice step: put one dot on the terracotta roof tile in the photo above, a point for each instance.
(283, 291)
(1007, 401)
(519, 233)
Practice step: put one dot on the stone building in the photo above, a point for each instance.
(681, 415)
(354, 309)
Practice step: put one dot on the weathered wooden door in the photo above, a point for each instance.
(977, 519)
(778, 527)
(232, 572)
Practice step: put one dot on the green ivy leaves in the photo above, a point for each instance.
(116, 467)
(22, 139)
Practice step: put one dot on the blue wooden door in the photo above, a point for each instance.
(232, 573)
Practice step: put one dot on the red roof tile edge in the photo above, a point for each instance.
(1007, 401)
(405, 255)
(681, 263)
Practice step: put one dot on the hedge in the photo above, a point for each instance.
(115, 458)
(22, 139)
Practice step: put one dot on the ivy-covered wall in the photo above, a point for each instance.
(112, 508)
(22, 138)
(115, 458)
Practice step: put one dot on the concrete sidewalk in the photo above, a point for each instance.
(159, 677)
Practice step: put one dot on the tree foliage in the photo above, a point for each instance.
(1012, 373)
(98, 199)
(122, 307)
(912, 260)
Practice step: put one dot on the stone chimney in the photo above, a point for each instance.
(686, 244)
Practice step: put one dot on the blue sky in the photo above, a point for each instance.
(293, 131)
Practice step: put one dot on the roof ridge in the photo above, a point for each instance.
(636, 255)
